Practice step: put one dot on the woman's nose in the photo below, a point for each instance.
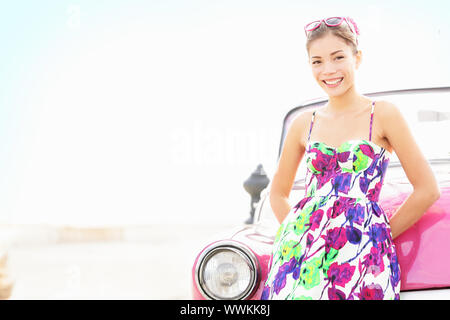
(328, 68)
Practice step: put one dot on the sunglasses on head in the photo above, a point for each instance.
(331, 22)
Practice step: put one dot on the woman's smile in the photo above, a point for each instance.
(333, 83)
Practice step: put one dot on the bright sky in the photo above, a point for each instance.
(118, 112)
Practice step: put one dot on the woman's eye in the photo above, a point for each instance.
(340, 57)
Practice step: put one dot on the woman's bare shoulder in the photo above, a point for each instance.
(301, 124)
(387, 114)
(302, 120)
(385, 108)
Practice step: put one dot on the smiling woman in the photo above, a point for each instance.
(337, 242)
(344, 61)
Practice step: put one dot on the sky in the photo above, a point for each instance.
(156, 112)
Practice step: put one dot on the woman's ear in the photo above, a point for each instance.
(358, 58)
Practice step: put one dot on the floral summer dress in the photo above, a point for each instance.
(336, 242)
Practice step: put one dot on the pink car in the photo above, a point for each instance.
(235, 266)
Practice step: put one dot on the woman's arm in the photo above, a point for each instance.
(426, 190)
(291, 155)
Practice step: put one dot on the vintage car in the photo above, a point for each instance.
(234, 265)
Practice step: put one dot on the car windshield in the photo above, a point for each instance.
(426, 111)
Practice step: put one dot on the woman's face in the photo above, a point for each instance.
(332, 59)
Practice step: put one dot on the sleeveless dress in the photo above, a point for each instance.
(336, 242)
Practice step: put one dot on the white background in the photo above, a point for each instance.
(135, 112)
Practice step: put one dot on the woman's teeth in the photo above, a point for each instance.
(333, 83)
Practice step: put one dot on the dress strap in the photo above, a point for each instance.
(311, 125)
(371, 120)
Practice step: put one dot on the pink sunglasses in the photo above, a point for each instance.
(331, 22)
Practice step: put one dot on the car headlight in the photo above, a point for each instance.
(227, 271)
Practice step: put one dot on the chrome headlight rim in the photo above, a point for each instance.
(238, 248)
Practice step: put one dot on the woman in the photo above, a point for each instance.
(337, 242)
